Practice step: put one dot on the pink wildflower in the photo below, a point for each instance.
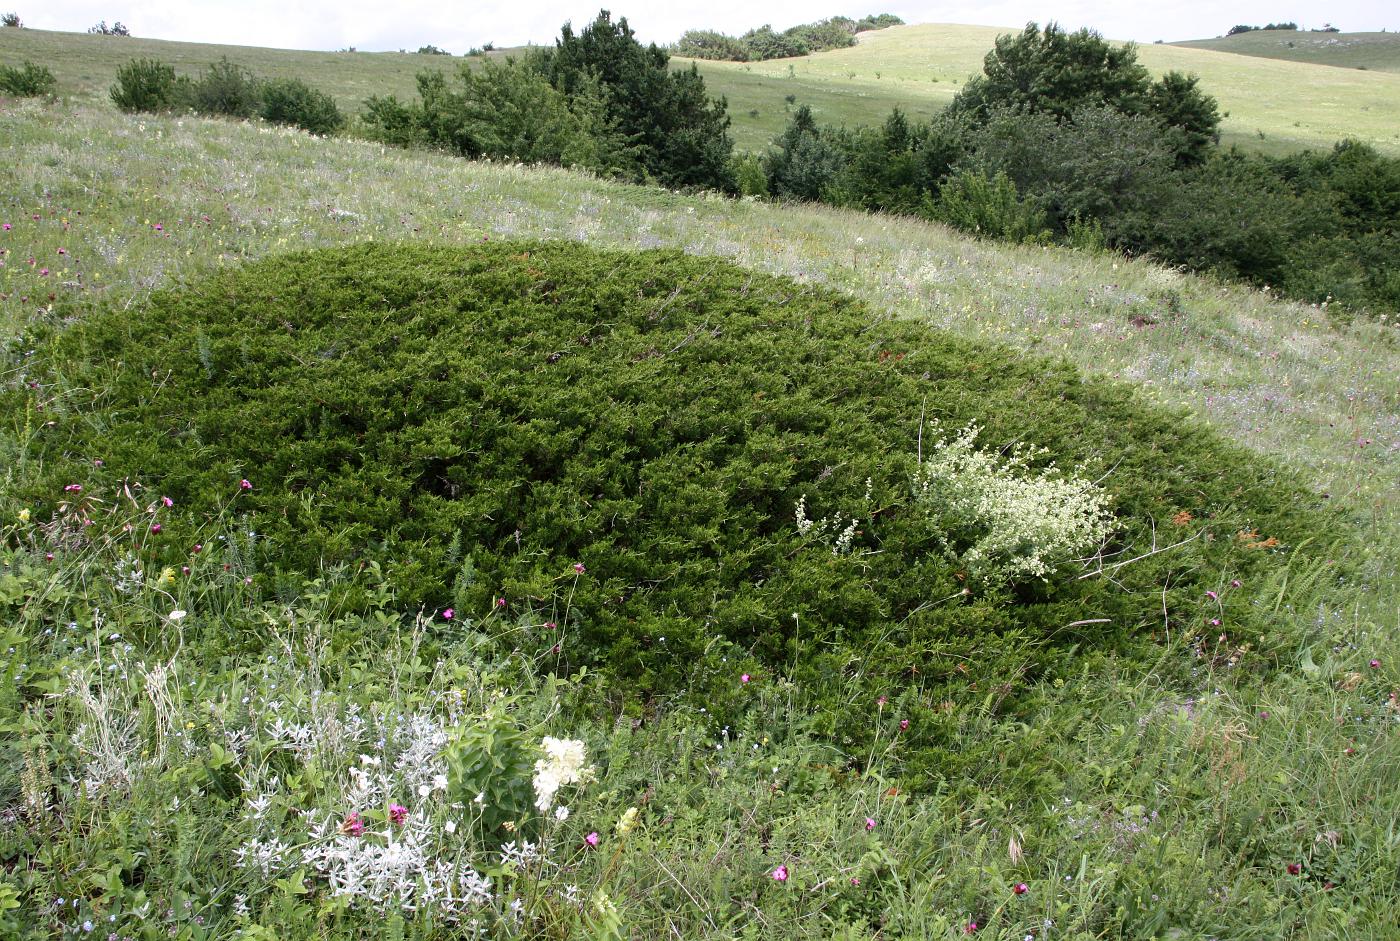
(1235, 583)
(155, 527)
(353, 825)
(500, 602)
(447, 614)
(904, 725)
(167, 502)
(1212, 595)
(398, 813)
(244, 484)
(970, 928)
(1375, 664)
(592, 839)
(869, 824)
(744, 678)
(780, 874)
(578, 568)
(1020, 888)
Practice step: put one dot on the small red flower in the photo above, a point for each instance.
(1020, 888)
(244, 484)
(398, 813)
(1295, 869)
(904, 725)
(353, 825)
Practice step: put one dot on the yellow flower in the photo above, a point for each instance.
(167, 576)
(627, 822)
(24, 515)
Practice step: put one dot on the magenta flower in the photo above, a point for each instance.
(353, 825)
(198, 548)
(970, 928)
(1020, 888)
(1235, 583)
(244, 484)
(904, 725)
(1375, 664)
(1215, 622)
(155, 527)
(73, 488)
(578, 568)
(550, 626)
(869, 824)
(7, 227)
(744, 678)
(167, 502)
(398, 813)
(1212, 595)
(780, 874)
(1295, 869)
(500, 602)
(592, 839)
(447, 614)
(855, 880)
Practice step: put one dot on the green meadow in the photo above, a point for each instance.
(1379, 52)
(215, 333)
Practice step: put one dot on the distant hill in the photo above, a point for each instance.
(1374, 51)
(1273, 105)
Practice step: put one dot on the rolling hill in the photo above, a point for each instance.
(1272, 105)
(1373, 51)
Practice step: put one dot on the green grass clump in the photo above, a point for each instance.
(655, 418)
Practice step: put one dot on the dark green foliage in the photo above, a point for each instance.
(708, 44)
(990, 207)
(678, 133)
(517, 408)
(1053, 71)
(878, 21)
(431, 50)
(225, 88)
(144, 85)
(806, 162)
(1177, 102)
(1235, 30)
(28, 80)
(292, 101)
(506, 111)
(12, 20)
(763, 43)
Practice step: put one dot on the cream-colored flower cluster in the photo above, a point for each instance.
(1002, 519)
(563, 763)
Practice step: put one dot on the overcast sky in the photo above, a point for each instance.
(377, 25)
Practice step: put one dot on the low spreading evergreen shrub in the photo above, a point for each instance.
(292, 101)
(28, 80)
(481, 421)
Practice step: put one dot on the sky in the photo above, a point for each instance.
(373, 25)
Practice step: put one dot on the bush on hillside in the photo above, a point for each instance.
(480, 421)
(505, 111)
(28, 80)
(291, 101)
(102, 29)
(12, 20)
(677, 133)
(763, 43)
(990, 207)
(225, 88)
(144, 85)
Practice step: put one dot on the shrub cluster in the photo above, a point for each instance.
(227, 89)
(102, 29)
(1065, 135)
(598, 99)
(27, 80)
(484, 420)
(763, 43)
(1236, 30)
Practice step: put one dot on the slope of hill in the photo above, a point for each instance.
(1375, 51)
(1271, 105)
(1116, 784)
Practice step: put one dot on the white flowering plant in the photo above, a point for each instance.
(1000, 518)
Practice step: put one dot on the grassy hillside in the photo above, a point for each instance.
(158, 738)
(1273, 105)
(1379, 52)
